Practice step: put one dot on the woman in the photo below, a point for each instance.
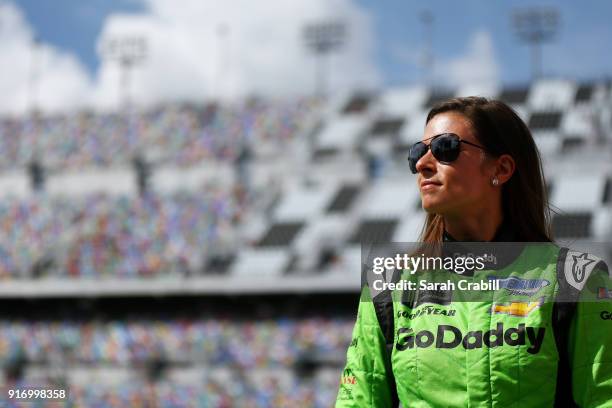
(535, 341)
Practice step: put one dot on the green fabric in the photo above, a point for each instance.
(472, 354)
(590, 347)
(364, 381)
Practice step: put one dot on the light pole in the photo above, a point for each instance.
(323, 38)
(127, 51)
(427, 19)
(34, 74)
(535, 26)
(223, 61)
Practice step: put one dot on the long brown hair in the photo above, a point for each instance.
(501, 131)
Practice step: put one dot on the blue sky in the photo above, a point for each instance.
(263, 52)
(74, 25)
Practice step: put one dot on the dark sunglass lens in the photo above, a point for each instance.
(445, 148)
(417, 151)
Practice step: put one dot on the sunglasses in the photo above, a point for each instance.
(444, 147)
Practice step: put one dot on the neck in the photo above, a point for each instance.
(481, 227)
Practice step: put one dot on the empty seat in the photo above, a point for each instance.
(344, 198)
(403, 101)
(116, 181)
(412, 131)
(14, 183)
(390, 199)
(607, 193)
(571, 143)
(325, 153)
(579, 121)
(601, 225)
(303, 203)
(410, 227)
(584, 93)
(342, 133)
(261, 262)
(545, 121)
(548, 143)
(514, 96)
(578, 193)
(374, 230)
(552, 94)
(572, 225)
(281, 234)
(219, 263)
(387, 127)
(357, 104)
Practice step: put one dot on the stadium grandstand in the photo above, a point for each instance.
(210, 255)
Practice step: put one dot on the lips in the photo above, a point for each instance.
(429, 184)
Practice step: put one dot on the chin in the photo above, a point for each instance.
(433, 206)
(429, 207)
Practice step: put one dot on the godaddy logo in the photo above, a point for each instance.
(448, 337)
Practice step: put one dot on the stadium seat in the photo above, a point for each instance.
(342, 133)
(551, 94)
(578, 192)
(390, 198)
(260, 262)
(402, 102)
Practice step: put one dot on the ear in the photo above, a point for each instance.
(504, 168)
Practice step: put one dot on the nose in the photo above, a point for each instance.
(426, 163)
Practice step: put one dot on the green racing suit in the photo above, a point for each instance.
(520, 347)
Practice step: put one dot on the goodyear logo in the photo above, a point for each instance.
(520, 309)
(519, 286)
(426, 311)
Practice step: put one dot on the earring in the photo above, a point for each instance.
(495, 181)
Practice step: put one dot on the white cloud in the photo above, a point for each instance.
(477, 66)
(48, 78)
(261, 52)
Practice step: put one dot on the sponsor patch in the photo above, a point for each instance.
(426, 311)
(520, 286)
(604, 293)
(348, 378)
(605, 315)
(578, 266)
(450, 337)
(520, 309)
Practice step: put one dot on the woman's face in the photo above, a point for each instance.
(462, 186)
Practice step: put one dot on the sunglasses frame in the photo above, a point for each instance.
(428, 147)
